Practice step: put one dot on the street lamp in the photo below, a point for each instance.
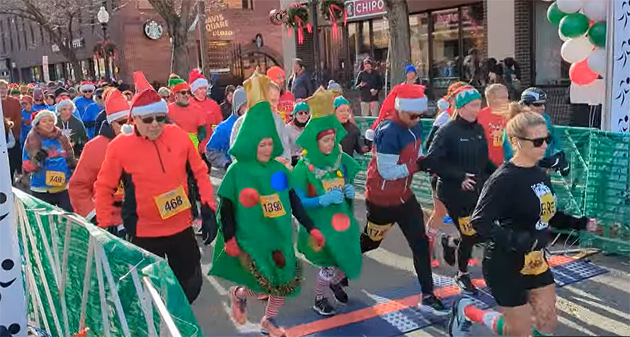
(103, 18)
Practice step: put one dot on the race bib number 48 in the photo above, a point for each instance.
(272, 206)
(172, 203)
(535, 263)
(55, 178)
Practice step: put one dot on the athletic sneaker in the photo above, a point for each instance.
(459, 325)
(196, 225)
(340, 294)
(435, 304)
(344, 282)
(269, 327)
(238, 306)
(323, 308)
(448, 251)
(465, 284)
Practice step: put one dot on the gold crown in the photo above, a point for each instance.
(321, 103)
(256, 87)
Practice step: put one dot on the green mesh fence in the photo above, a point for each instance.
(598, 185)
(79, 276)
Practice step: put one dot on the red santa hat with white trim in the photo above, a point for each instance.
(116, 106)
(409, 98)
(145, 102)
(87, 86)
(197, 80)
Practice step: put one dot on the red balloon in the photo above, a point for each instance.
(581, 74)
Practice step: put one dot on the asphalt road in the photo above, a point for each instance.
(597, 306)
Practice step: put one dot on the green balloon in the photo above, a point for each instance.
(574, 25)
(597, 34)
(554, 14)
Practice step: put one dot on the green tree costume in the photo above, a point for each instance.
(260, 195)
(313, 176)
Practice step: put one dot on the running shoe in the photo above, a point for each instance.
(435, 304)
(465, 284)
(458, 324)
(435, 263)
(323, 308)
(239, 307)
(340, 294)
(344, 282)
(269, 327)
(196, 225)
(448, 251)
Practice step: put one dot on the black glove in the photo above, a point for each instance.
(557, 162)
(41, 155)
(208, 224)
(121, 233)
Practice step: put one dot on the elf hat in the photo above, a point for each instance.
(176, 84)
(87, 86)
(64, 102)
(37, 116)
(116, 106)
(14, 89)
(339, 101)
(144, 103)
(140, 82)
(197, 80)
(302, 106)
(465, 95)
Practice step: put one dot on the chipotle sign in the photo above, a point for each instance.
(363, 9)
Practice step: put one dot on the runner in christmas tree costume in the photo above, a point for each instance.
(255, 247)
(323, 180)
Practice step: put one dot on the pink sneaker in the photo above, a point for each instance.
(239, 307)
(269, 327)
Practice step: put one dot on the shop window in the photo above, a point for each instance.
(359, 38)
(419, 29)
(380, 36)
(550, 68)
(446, 51)
(248, 4)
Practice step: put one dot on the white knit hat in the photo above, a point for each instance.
(64, 103)
(43, 113)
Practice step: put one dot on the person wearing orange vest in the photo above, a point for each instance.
(207, 106)
(152, 159)
(81, 185)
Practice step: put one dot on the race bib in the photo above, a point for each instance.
(465, 227)
(120, 190)
(172, 203)
(332, 184)
(535, 263)
(497, 137)
(272, 206)
(55, 178)
(377, 232)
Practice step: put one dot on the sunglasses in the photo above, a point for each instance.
(413, 117)
(88, 91)
(538, 105)
(302, 113)
(538, 142)
(149, 120)
(121, 122)
(185, 92)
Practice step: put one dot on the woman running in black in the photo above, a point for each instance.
(459, 156)
(516, 208)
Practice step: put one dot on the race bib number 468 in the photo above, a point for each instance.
(172, 203)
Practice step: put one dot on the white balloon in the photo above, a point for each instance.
(562, 37)
(576, 50)
(597, 61)
(595, 10)
(570, 6)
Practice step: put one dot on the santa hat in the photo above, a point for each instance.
(176, 84)
(140, 82)
(197, 80)
(37, 116)
(64, 102)
(403, 97)
(116, 106)
(144, 103)
(87, 86)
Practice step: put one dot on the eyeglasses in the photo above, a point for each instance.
(185, 92)
(538, 142)
(538, 105)
(413, 117)
(149, 120)
(88, 91)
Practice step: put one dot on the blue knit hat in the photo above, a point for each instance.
(339, 101)
(410, 68)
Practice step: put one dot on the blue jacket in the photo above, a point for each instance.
(57, 164)
(219, 144)
(89, 119)
(302, 86)
(552, 148)
(26, 117)
(82, 103)
(37, 107)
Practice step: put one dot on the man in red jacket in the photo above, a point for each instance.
(152, 159)
(81, 185)
(207, 106)
(12, 111)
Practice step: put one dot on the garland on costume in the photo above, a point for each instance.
(334, 11)
(105, 48)
(297, 17)
(282, 290)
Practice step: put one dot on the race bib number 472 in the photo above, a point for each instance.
(172, 203)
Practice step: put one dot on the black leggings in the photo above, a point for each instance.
(59, 199)
(461, 212)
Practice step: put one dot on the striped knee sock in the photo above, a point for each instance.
(491, 319)
(244, 293)
(273, 306)
(339, 275)
(320, 286)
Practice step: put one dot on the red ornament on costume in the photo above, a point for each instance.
(249, 197)
(340, 222)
